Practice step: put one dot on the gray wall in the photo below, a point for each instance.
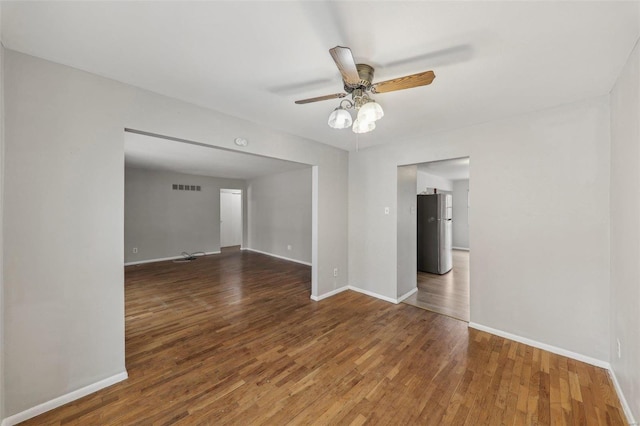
(161, 222)
(64, 192)
(625, 231)
(540, 231)
(460, 211)
(407, 235)
(64, 225)
(279, 214)
(64, 196)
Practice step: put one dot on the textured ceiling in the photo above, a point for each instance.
(253, 59)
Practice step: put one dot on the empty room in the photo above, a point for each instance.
(211, 212)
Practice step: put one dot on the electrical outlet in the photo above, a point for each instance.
(335, 272)
(619, 349)
(289, 247)
(386, 210)
(135, 250)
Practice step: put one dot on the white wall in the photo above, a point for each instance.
(427, 180)
(407, 239)
(279, 214)
(64, 197)
(460, 212)
(540, 231)
(161, 222)
(625, 230)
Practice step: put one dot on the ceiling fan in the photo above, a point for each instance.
(358, 82)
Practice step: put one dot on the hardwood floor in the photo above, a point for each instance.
(234, 339)
(446, 294)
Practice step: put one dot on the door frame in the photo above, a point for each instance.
(241, 224)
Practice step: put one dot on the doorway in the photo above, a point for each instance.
(444, 289)
(198, 163)
(230, 218)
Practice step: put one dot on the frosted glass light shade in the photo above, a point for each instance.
(340, 119)
(371, 111)
(360, 126)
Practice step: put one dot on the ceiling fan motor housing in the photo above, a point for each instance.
(365, 72)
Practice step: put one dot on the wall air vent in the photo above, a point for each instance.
(182, 187)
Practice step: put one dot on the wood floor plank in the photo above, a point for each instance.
(446, 294)
(234, 339)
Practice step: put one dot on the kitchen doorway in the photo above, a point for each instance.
(439, 236)
(446, 294)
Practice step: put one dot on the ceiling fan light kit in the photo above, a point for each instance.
(357, 79)
(363, 126)
(368, 112)
(371, 111)
(340, 118)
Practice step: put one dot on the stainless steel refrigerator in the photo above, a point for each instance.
(434, 233)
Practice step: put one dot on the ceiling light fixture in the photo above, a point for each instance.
(363, 126)
(241, 141)
(340, 118)
(358, 82)
(369, 111)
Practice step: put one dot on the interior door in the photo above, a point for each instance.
(230, 217)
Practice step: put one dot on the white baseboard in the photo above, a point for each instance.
(372, 294)
(460, 248)
(407, 294)
(64, 399)
(568, 354)
(544, 346)
(367, 292)
(278, 256)
(162, 259)
(623, 401)
(329, 294)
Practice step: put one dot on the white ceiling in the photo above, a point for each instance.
(149, 152)
(455, 169)
(253, 59)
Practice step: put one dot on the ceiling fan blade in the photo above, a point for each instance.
(406, 82)
(321, 98)
(346, 64)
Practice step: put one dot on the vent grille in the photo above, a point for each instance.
(183, 187)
